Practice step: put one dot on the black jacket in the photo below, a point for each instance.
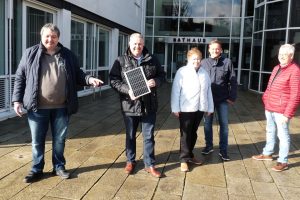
(152, 69)
(223, 79)
(28, 74)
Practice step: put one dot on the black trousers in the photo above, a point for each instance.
(189, 123)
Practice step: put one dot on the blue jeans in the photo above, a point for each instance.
(275, 125)
(148, 123)
(39, 122)
(222, 114)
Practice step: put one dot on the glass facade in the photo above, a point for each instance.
(251, 31)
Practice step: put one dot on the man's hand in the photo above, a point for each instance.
(95, 82)
(18, 108)
(230, 102)
(151, 83)
(132, 97)
(207, 113)
(284, 119)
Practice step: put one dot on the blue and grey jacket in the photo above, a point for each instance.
(223, 79)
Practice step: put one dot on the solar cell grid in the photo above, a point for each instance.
(137, 81)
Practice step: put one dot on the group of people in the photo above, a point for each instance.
(48, 73)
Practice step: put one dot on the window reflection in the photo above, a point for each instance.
(236, 27)
(167, 8)
(273, 40)
(89, 46)
(192, 8)
(295, 13)
(223, 9)
(248, 27)
(294, 38)
(256, 53)
(191, 27)
(217, 27)
(77, 40)
(237, 8)
(254, 81)
(276, 15)
(259, 18)
(166, 26)
(2, 37)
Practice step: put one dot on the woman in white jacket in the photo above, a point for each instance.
(191, 98)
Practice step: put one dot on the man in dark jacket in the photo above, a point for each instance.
(45, 86)
(224, 90)
(142, 109)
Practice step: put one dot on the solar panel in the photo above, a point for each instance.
(137, 81)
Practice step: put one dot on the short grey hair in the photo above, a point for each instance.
(136, 35)
(289, 48)
(52, 27)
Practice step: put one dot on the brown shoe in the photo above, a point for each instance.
(184, 167)
(195, 161)
(154, 172)
(129, 167)
(279, 167)
(262, 157)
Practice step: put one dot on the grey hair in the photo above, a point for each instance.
(52, 27)
(135, 35)
(289, 48)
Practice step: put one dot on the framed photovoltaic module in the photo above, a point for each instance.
(137, 81)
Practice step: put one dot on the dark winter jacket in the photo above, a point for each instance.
(152, 69)
(223, 79)
(283, 91)
(28, 74)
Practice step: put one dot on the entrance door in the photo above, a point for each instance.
(177, 57)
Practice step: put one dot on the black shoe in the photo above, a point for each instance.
(207, 150)
(62, 173)
(224, 156)
(32, 177)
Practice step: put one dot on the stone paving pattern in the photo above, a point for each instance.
(95, 154)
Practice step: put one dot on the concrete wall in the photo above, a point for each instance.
(126, 12)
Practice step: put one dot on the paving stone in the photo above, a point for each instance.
(197, 191)
(266, 190)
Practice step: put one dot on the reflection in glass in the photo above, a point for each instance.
(295, 13)
(256, 53)
(149, 8)
(264, 81)
(148, 43)
(254, 80)
(35, 21)
(192, 8)
(244, 80)
(276, 15)
(159, 49)
(191, 27)
(249, 8)
(294, 38)
(259, 18)
(273, 40)
(223, 8)
(167, 8)
(2, 37)
(236, 27)
(248, 27)
(77, 39)
(234, 52)
(237, 8)
(103, 75)
(246, 54)
(149, 26)
(217, 27)
(165, 26)
(16, 35)
(89, 46)
(103, 48)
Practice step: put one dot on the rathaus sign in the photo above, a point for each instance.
(188, 40)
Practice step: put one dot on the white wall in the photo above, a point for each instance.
(125, 12)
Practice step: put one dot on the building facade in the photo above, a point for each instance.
(97, 31)
(251, 32)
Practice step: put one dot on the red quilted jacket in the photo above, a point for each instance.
(283, 91)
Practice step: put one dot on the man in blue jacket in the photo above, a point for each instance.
(224, 90)
(45, 86)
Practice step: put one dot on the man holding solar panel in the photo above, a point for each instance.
(136, 75)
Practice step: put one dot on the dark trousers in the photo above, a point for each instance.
(189, 123)
(148, 124)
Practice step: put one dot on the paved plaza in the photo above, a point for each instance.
(95, 154)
